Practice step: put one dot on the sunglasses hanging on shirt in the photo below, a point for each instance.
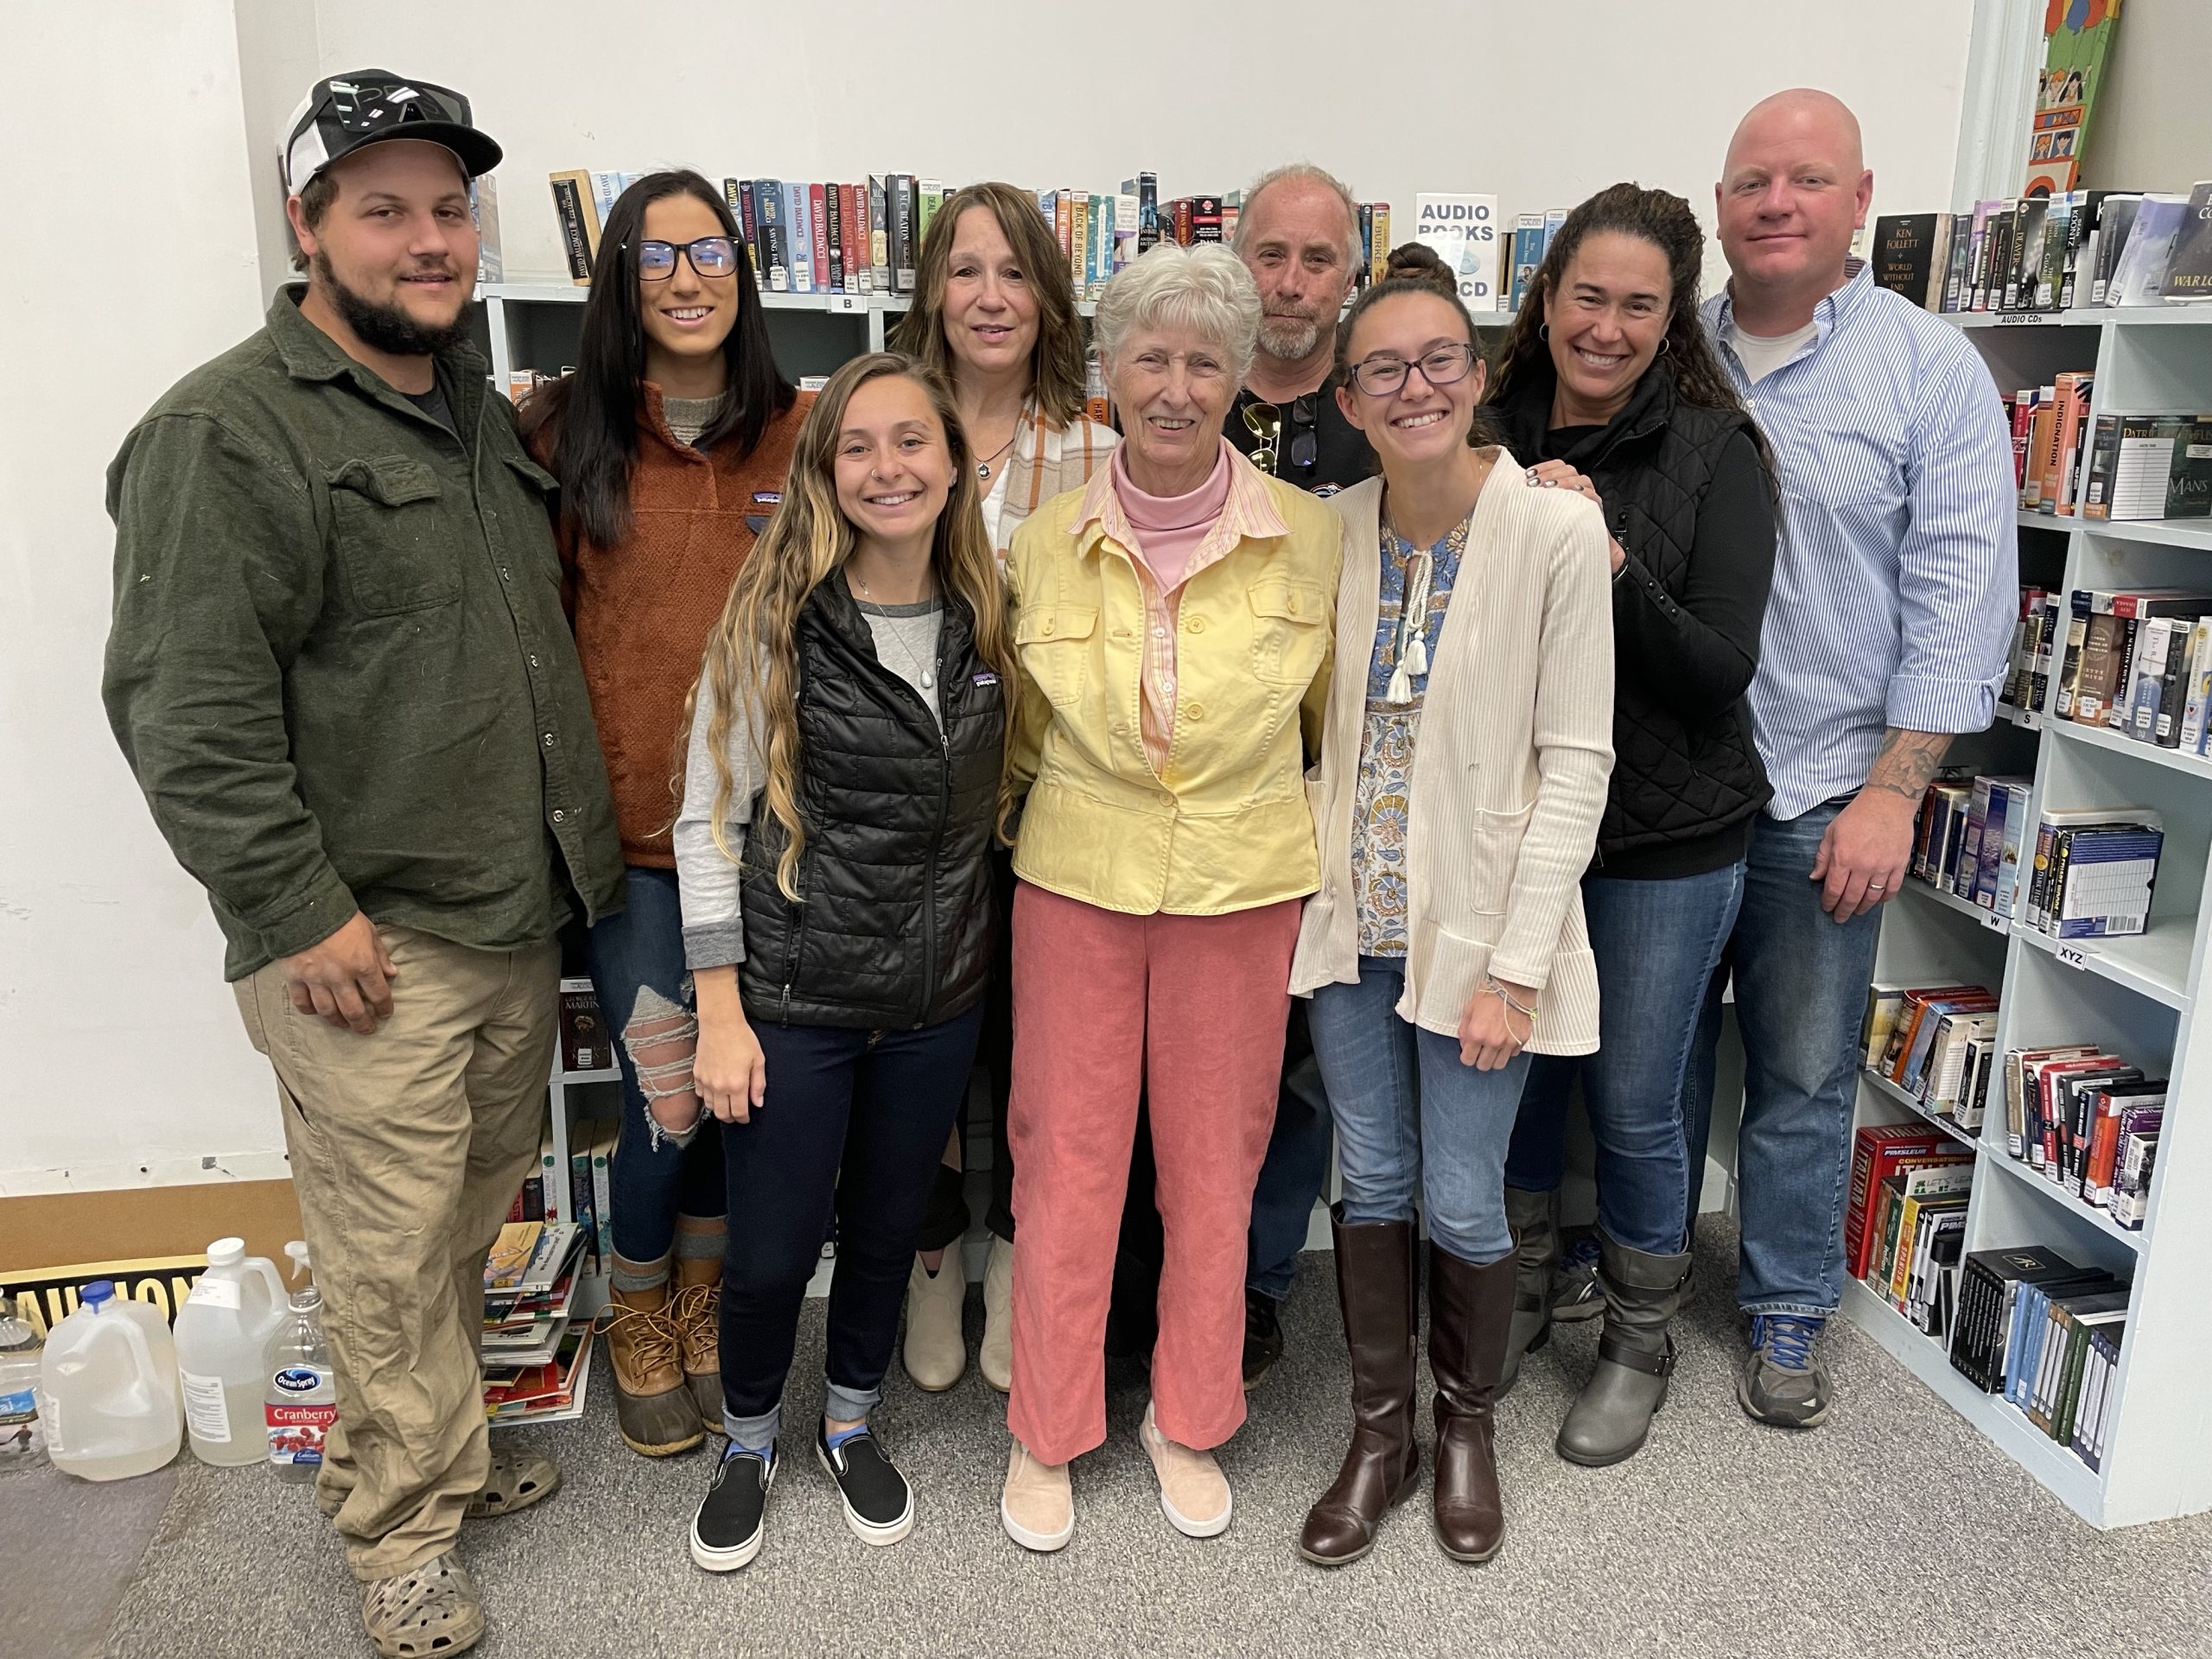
(1265, 423)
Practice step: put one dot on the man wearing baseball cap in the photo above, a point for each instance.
(340, 670)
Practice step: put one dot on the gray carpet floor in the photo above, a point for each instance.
(1893, 1529)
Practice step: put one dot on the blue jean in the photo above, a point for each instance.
(637, 966)
(1296, 1169)
(853, 1122)
(1656, 945)
(1417, 1127)
(1801, 991)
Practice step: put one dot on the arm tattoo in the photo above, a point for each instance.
(1907, 761)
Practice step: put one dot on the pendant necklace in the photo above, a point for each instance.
(983, 467)
(927, 674)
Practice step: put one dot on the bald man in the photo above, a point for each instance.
(1886, 634)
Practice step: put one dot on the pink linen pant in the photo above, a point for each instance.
(1193, 1008)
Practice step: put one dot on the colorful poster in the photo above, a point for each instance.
(2078, 41)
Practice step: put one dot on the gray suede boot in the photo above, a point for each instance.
(1611, 1417)
(1534, 1218)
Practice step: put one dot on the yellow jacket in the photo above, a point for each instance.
(1223, 826)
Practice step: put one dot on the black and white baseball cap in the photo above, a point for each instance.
(344, 112)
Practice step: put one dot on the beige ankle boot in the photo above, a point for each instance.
(936, 1352)
(994, 1358)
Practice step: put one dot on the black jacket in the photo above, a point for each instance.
(894, 925)
(1687, 497)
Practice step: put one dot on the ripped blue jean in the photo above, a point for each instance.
(645, 992)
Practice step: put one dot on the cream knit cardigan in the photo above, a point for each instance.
(1509, 771)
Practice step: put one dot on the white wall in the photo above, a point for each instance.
(1396, 97)
(119, 1049)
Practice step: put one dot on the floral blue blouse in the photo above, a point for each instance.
(1384, 790)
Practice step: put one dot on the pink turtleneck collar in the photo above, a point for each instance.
(1170, 527)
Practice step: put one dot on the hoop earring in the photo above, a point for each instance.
(1666, 345)
(1543, 331)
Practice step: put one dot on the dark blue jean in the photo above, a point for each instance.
(1801, 991)
(1296, 1167)
(1656, 945)
(853, 1122)
(636, 967)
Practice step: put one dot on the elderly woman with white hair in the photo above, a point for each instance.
(1172, 623)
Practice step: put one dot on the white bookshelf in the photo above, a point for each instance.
(2137, 996)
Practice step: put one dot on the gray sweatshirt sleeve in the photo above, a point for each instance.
(706, 881)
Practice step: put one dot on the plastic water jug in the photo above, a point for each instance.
(222, 1333)
(22, 1442)
(107, 1393)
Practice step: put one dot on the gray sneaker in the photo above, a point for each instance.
(1575, 1294)
(1782, 1383)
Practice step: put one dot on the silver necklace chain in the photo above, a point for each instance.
(926, 673)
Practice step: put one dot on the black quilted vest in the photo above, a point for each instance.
(892, 929)
(1651, 466)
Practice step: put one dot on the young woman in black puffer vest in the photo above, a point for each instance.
(842, 789)
(1608, 378)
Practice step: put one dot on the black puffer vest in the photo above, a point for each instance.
(1651, 466)
(894, 925)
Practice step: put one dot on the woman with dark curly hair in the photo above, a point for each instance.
(1609, 387)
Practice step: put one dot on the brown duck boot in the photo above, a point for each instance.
(696, 1308)
(1470, 1314)
(1534, 1218)
(654, 1408)
(1376, 1292)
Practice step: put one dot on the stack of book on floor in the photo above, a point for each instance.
(529, 1285)
(2046, 1334)
(1907, 1218)
(553, 1392)
(1969, 838)
(1934, 1043)
(2087, 1122)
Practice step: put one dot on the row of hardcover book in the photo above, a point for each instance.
(2088, 1121)
(2125, 468)
(866, 236)
(2135, 661)
(2046, 1334)
(2075, 249)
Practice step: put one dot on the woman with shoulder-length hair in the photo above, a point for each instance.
(1462, 776)
(994, 315)
(845, 782)
(670, 442)
(1610, 388)
(1172, 627)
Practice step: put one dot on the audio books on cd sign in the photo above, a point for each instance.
(1462, 232)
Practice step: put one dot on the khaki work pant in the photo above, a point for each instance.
(407, 1149)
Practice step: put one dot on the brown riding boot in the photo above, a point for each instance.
(1375, 1270)
(1470, 1312)
(696, 1309)
(653, 1408)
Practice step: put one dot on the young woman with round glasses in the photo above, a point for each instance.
(670, 440)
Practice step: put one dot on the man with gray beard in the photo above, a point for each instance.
(1299, 236)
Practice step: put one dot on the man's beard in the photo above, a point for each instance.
(1289, 337)
(386, 327)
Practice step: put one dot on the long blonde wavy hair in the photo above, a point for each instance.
(752, 655)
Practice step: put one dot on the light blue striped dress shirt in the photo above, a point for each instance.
(1895, 581)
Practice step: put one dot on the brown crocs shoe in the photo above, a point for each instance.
(518, 1480)
(696, 1310)
(654, 1406)
(425, 1612)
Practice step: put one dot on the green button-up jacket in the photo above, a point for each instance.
(339, 665)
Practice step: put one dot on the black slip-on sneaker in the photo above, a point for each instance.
(731, 1520)
(879, 1505)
